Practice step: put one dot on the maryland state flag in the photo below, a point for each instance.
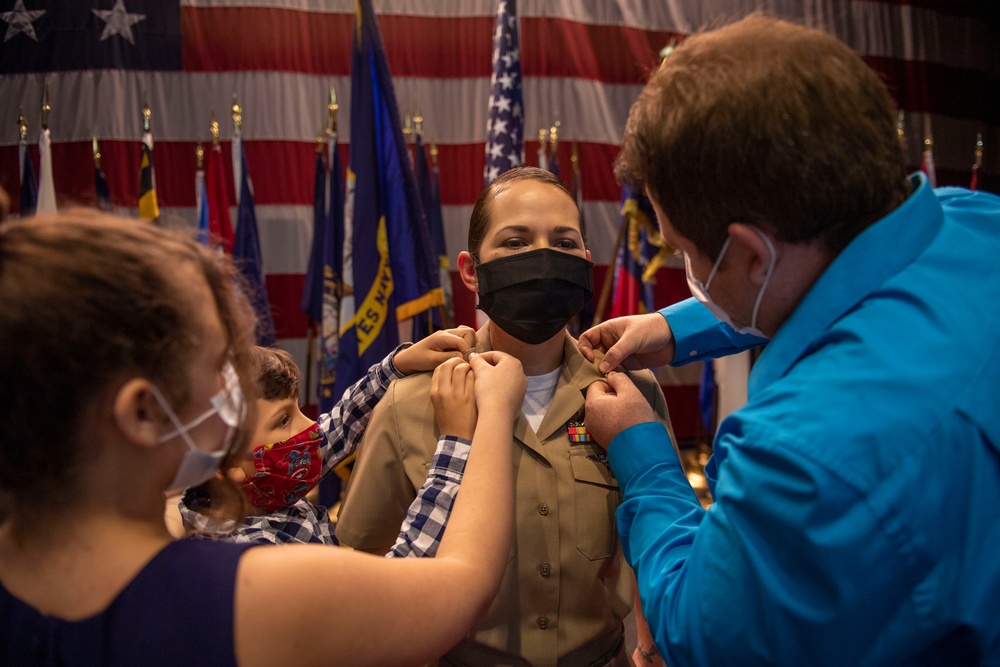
(387, 277)
(148, 208)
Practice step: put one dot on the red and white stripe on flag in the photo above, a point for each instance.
(582, 63)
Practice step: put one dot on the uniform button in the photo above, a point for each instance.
(543, 509)
(545, 570)
(543, 622)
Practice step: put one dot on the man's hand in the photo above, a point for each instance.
(614, 406)
(633, 342)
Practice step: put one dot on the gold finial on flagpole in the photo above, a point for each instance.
(928, 140)
(213, 129)
(543, 136)
(237, 112)
(668, 49)
(434, 154)
(574, 158)
(554, 136)
(22, 126)
(46, 107)
(147, 114)
(199, 154)
(900, 127)
(418, 122)
(979, 151)
(97, 153)
(331, 113)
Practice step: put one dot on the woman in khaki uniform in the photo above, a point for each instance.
(566, 587)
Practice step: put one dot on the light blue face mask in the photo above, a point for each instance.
(700, 291)
(199, 465)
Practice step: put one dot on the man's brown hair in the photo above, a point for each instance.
(767, 123)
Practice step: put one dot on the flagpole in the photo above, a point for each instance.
(311, 330)
(237, 147)
(418, 128)
(22, 128)
(46, 184)
(974, 182)
(610, 275)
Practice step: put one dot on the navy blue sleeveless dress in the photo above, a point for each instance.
(177, 611)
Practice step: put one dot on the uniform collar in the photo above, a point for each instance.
(577, 375)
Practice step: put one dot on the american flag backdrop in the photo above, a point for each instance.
(583, 62)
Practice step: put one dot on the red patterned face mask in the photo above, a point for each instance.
(286, 470)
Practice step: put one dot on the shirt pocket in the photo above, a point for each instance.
(597, 496)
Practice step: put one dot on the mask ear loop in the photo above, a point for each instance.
(718, 263)
(179, 428)
(767, 278)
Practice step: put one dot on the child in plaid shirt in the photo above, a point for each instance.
(289, 453)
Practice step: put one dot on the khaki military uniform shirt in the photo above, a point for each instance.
(566, 586)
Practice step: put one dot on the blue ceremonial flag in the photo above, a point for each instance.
(386, 274)
(29, 186)
(554, 162)
(312, 288)
(706, 397)
(201, 204)
(333, 260)
(505, 123)
(332, 256)
(430, 320)
(104, 35)
(435, 221)
(101, 189)
(247, 258)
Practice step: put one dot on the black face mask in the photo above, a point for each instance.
(533, 295)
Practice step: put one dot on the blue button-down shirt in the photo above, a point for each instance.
(857, 492)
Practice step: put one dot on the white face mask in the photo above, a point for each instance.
(198, 465)
(700, 290)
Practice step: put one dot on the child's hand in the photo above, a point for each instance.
(500, 383)
(427, 354)
(454, 398)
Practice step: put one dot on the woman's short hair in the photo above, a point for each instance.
(479, 221)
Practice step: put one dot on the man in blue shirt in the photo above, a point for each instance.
(856, 493)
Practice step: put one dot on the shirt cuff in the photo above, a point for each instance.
(638, 448)
(450, 457)
(388, 369)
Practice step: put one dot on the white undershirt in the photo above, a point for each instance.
(541, 389)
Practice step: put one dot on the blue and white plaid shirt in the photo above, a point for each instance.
(343, 428)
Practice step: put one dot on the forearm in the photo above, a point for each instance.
(481, 523)
(427, 517)
(343, 427)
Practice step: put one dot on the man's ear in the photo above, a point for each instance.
(137, 414)
(467, 269)
(749, 246)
